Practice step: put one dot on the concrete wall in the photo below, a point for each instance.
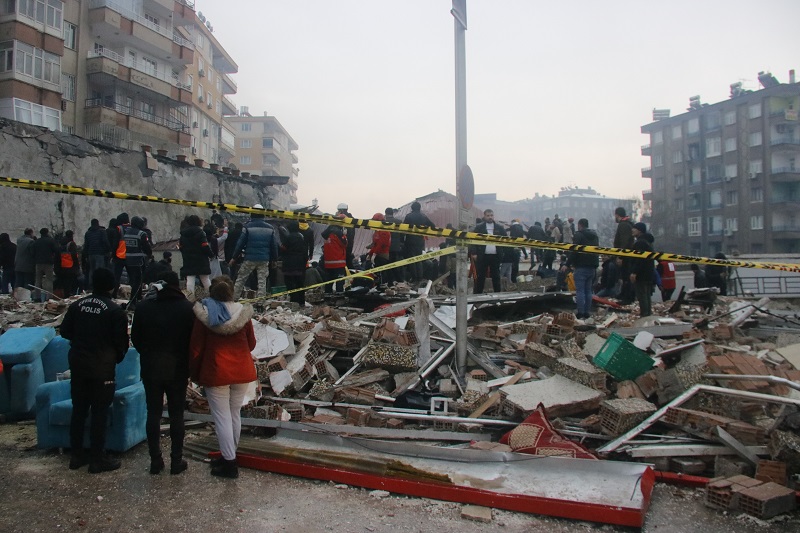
(30, 152)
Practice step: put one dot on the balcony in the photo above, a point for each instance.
(119, 25)
(647, 150)
(228, 85)
(785, 114)
(786, 231)
(789, 201)
(647, 195)
(785, 143)
(107, 62)
(717, 205)
(785, 174)
(228, 107)
(183, 13)
(647, 172)
(97, 110)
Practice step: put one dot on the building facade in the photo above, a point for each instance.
(265, 148)
(726, 177)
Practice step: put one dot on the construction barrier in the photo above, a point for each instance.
(463, 237)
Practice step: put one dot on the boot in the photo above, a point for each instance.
(177, 466)
(103, 463)
(156, 465)
(78, 459)
(226, 469)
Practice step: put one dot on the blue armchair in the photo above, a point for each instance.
(21, 354)
(126, 418)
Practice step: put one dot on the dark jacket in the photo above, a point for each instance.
(308, 237)
(137, 245)
(195, 251)
(516, 230)
(97, 329)
(161, 331)
(156, 269)
(259, 241)
(538, 233)
(68, 262)
(45, 250)
(643, 268)
(398, 239)
(230, 243)
(23, 261)
(294, 253)
(95, 241)
(415, 244)
(8, 254)
(623, 238)
(499, 230)
(609, 276)
(584, 237)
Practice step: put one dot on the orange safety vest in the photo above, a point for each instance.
(121, 251)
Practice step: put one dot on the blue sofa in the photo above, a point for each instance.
(23, 370)
(126, 418)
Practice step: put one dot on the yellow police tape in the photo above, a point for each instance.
(465, 237)
(362, 273)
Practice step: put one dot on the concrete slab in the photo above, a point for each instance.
(477, 513)
(559, 395)
(791, 353)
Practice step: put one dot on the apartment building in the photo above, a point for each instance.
(265, 148)
(725, 177)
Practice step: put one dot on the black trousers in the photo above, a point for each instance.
(396, 274)
(296, 281)
(95, 396)
(492, 262)
(154, 391)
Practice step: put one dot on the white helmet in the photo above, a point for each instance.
(258, 206)
(341, 207)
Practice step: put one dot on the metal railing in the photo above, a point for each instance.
(790, 227)
(167, 122)
(141, 66)
(169, 33)
(767, 285)
(786, 170)
(229, 81)
(187, 3)
(784, 140)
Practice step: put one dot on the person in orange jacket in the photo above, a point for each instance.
(380, 245)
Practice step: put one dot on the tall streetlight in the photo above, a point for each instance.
(465, 187)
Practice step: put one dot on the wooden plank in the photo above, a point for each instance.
(494, 397)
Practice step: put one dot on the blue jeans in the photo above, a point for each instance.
(584, 279)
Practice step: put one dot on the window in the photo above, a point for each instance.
(266, 143)
(679, 229)
(754, 111)
(658, 184)
(677, 156)
(712, 121)
(694, 176)
(757, 222)
(245, 160)
(731, 170)
(715, 172)
(68, 87)
(246, 126)
(732, 224)
(732, 197)
(730, 118)
(70, 35)
(658, 137)
(756, 194)
(756, 167)
(694, 202)
(755, 138)
(679, 204)
(730, 144)
(713, 147)
(151, 19)
(7, 56)
(694, 225)
(148, 110)
(658, 160)
(36, 114)
(199, 92)
(714, 225)
(715, 199)
(150, 66)
(49, 12)
(678, 179)
(190, 81)
(55, 13)
(692, 126)
(37, 63)
(201, 67)
(246, 143)
(676, 132)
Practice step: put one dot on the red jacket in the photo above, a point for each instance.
(666, 270)
(335, 251)
(220, 355)
(381, 241)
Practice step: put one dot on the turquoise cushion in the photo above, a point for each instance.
(55, 358)
(24, 345)
(61, 413)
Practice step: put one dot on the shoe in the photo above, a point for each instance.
(176, 467)
(216, 461)
(227, 469)
(78, 460)
(156, 465)
(103, 464)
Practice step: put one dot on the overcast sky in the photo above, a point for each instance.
(556, 91)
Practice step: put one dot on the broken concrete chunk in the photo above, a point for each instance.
(559, 395)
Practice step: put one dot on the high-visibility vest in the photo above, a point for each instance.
(121, 250)
(66, 257)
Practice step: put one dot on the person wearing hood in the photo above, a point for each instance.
(717, 275)
(518, 232)
(8, 252)
(380, 246)
(294, 256)
(642, 271)
(623, 238)
(259, 244)
(536, 232)
(334, 255)
(196, 254)
(24, 265)
(68, 265)
(585, 268)
(308, 237)
(161, 330)
(220, 360)
(96, 248)
(137, 251)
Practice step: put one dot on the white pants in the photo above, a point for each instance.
(205, 280)
(226, 403)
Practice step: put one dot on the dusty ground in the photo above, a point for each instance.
(39, 493)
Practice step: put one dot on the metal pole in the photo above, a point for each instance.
(459, 12)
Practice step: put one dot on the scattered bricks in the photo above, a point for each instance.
(692, 335)
(722, 333)
(479, 375)
(703, 424)
(261, 412)
(489, 446)
(466, 427)
(535, 334)
(477, 513)
(629, 389)
(559, 395)
(326, 419)
(621, 415)
(282, 383)
(581, 372)
(648, 382)
(669, 385)
(447, 387)
(357, 395)
(727, 466)
(394, 423)
(767, 500)
(570, 348)
(295, 410)
(376, 421)
(444, 425)
(540, 355)
(390, 357)
(556, 333)
(565, 319)
(358, 417)
(687, 465)
(774, 471)
(785, 446)
(262, 372)
(276, 364)
(724, 493)
(322, 390)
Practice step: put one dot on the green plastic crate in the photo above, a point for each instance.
(622, 359)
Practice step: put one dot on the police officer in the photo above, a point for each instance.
(137, 250)
(97, 329)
